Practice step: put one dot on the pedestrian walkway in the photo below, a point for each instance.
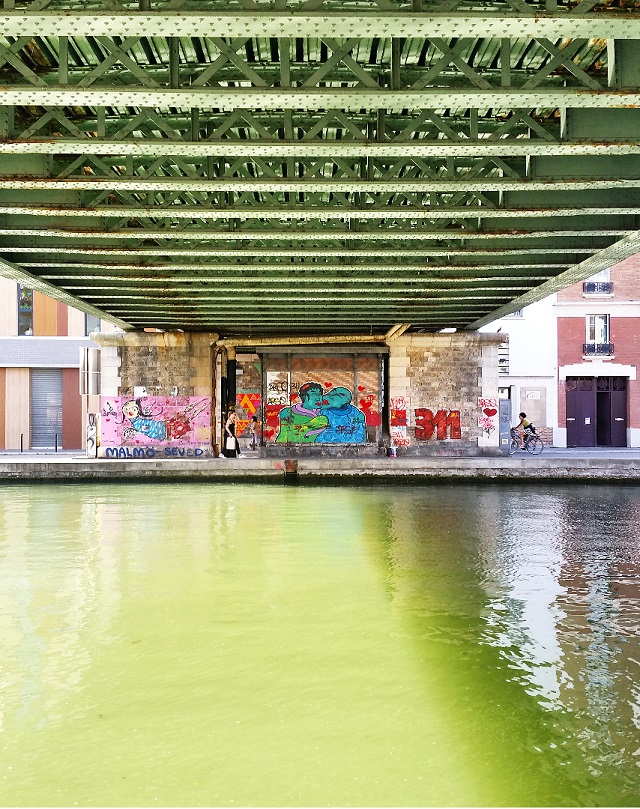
(603, 464)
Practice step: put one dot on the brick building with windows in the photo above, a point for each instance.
(598, 327)
(41, 343)
(570, 361)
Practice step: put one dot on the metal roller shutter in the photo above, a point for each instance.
(46, 407)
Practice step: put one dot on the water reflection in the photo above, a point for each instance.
(411, 646)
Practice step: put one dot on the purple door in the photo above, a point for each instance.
(618, 411)
(597, 411)
(581, 412)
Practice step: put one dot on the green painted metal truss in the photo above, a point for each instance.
(316, 166)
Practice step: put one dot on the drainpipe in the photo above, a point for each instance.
(223, 387)
(231, 380)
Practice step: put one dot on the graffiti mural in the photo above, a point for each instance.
(398, 416)
(247, 405)
(399, 437)
(443, 424)
(319, 416)
(487, 420)
(92, 435)
(158, 425)
(302, 422)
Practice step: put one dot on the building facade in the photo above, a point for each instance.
(598, 326)
(570, 361)
(41, 344)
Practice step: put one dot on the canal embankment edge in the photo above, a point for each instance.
(67, 468)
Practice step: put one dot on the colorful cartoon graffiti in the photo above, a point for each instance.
(346, 422)
(302, 422)
(487, 420)
(155, 421)
(247, 405)
(320, 416)
(442, 422)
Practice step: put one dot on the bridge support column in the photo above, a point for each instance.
(168, 378)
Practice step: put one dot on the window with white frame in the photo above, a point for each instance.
(597, 329)
(598, 284)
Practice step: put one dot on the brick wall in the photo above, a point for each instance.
(625, 278)
(165, 363)
(446, 372)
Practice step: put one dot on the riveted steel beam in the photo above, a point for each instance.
(579, 238)
(294, 252)
(313, 185)
(621, 250)
(344, 98)
(292, 269)
(284, 214)
(485, 147)
(16, 273)
(396, 23)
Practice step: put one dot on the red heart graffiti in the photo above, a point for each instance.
(361, 387)
(328, 384)
(489, 411)
(268, 434)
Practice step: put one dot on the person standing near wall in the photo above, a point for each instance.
(254, 433)
(230, 440)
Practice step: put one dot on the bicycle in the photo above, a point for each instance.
(532, 443)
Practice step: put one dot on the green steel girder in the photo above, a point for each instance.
(327, 165)
(257, 23)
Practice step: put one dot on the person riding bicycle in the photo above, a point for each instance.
(524, 426)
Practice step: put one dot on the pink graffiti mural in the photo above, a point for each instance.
(441, 423)
(160, 421)
(487, 420)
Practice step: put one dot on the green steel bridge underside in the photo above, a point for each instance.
(315, 167)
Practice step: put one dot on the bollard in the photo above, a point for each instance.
(21, 442)
(56, 441)
(290, 472)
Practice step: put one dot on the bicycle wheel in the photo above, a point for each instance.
(514, 446)
(534, 445)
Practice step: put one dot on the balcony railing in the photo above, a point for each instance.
(597, 287)
(597, 349)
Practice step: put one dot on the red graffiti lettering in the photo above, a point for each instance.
(427, 424)
(271, 415)
(398, 418)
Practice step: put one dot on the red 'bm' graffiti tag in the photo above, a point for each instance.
(427, 424)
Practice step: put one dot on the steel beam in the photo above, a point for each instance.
(352, 99)
(396, 23)
(417, 147)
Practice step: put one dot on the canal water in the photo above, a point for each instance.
(256, 645)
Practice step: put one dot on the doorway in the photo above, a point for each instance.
(46, 407)
(596, 411)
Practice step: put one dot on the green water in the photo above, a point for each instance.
(229, 645)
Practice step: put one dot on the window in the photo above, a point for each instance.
(91, 323)
(598, 329)
(25, 310)
(598, 284)
(597, 343)
(503, 359)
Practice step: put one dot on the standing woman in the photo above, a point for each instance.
(230, 440)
